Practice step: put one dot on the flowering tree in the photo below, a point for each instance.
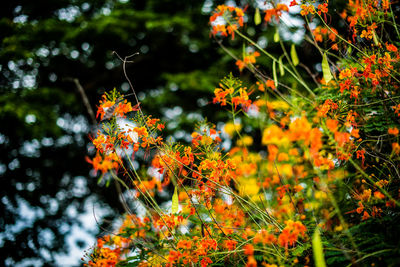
(312, 176)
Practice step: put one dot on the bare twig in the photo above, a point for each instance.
(84, 99)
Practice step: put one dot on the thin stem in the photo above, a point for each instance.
(277, 61)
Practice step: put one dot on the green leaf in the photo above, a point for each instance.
(293, 54)
(257, 17)
(100, 179)
(276, 36)
(281, 69)
(318, 249)
(374, 38)
(326, 71)
(175, 202)
(349, 49)
(274, 73)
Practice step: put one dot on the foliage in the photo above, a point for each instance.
(306, 159)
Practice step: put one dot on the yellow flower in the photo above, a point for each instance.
(245, 141)
(274, 135)
(214, 155)
(338, 228)
(320, 195)
(206, 140)
(231, 128)
(249, 187)
(286, 170)
(117, 240)
(279, 104)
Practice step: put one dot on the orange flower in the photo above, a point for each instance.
(241, 65)
(221, 94)
(275, 12)
(396, 109)
(300, 129)
(391, 48)
(283, 157)
(390, 204)
(382, 183)
(104, 105)
(260, 86)
(307, 9)
(385, 4)
(369, 32)
(366, 195)
(141, 131)
(221, 29)
(326, 107)
(104, 256)
(251, 262)
(248, 249)
(234, 15)
(270, 84)
(151, 122)
(124, 108)
(322, 8)
(205, 261)
(230, 244)
(365, 216)
(100, 142)
(346, 73)
(342, 138)
(174, 256)
(248, 59)
(393, 131)
(264, 237)
(160, 126)
(376, 212)
(361, 155)
(360, 207)
(332, 125)
(379, 195)
(355, 133)
(396, 148)
(169, 220)
(184, 244)
(291, 233)
(317, 34)
(104, 163)
(242, 99)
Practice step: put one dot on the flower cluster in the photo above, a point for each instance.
(258, 188)
(247, 60)
(275, 12)
(231, 92)
(226, 20)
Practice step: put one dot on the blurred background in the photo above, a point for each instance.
(51, 206)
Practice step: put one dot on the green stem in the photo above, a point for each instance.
(277, 61)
